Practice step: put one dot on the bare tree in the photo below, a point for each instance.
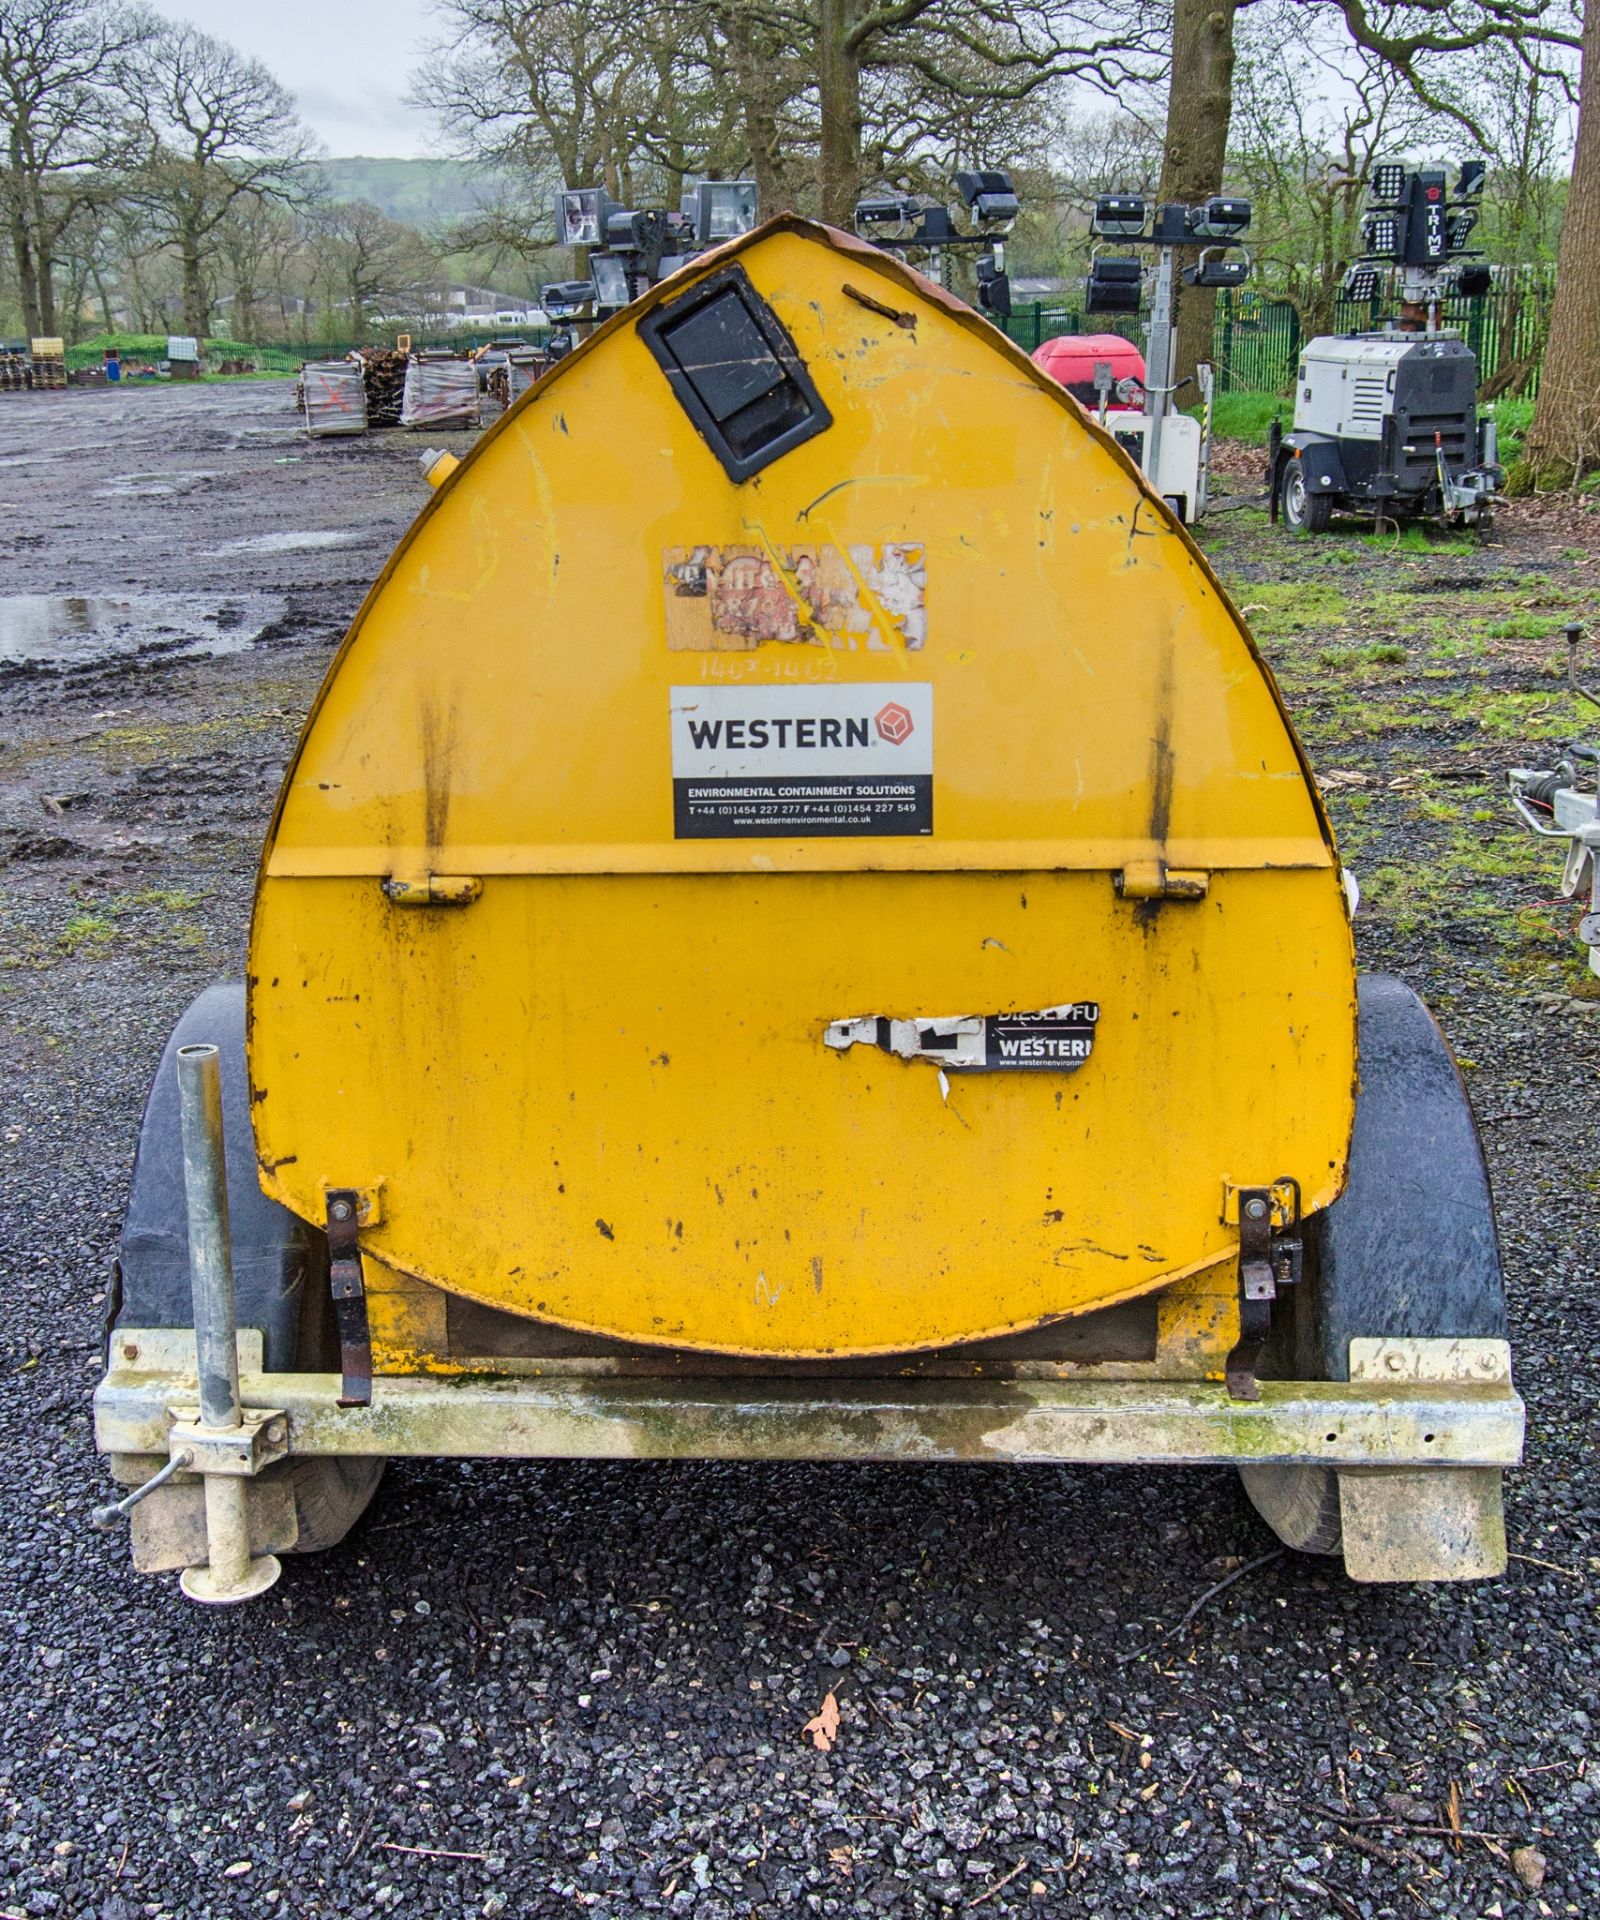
(966, 53)
(814, 96)
(1312, 113)
(65, 120)
(366, 262)
(221, 128)
(1421, 41)
(1199, 118)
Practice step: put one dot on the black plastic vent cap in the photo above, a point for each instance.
(736, 372)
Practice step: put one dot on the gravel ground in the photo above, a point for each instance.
(523, 1689)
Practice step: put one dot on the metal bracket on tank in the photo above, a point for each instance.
(1270, 1249)
(349, 1297)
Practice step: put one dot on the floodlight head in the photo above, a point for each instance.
(1215, 269)
(994, 287)
(723, 209)
(1470, 180)
(876, 212)
(568, 299)
(1119, 215)
(581, 216)
(1472, 281)
(1114, 286)
(1360, 283)
(1219, 218)
(989, 195)
(1458, 227)
(1381, 234)
(1388, 183)
(611, 289)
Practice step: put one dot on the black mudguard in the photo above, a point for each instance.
(1410, 1249)
(1321, 461)
(280, 1264)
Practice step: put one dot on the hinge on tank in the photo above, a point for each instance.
(1270, 1248)
(1155, 880)
(433, 890)
(349, 1297)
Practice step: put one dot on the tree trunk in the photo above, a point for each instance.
(1199, 110)
(1564, 440)
(27, 277)
(753, 77)
(196, 308)
(839, 97)
(45, 234)
(244, 307)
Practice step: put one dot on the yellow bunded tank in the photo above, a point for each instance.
(635, 783)
(798, 925)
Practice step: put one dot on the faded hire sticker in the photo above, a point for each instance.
(763, 763)
(1057, 1039)
(862, 597)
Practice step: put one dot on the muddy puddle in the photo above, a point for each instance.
(153, 486)
(292, 542)
(77, 630)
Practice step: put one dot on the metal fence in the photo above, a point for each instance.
(1258, 340)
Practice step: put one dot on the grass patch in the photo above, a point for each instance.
(1297, 606)
(1520, 716)
(1422, 536)
(86, 933)
(1381, 654)
(1526, 626)
(1246, 416)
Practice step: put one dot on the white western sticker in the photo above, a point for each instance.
(758, 762)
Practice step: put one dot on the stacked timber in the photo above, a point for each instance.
(16, 376)
(383, 370)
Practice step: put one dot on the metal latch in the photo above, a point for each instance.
(349, 1297)
(1271, 1249)
(1155, 880)
(433, 890)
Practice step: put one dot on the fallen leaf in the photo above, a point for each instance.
(823, 1726)
(1452, 1813)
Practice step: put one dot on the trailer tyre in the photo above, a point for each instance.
(1409, 1250)
(280, 1262)
(1300, 1504)
(1303, 510)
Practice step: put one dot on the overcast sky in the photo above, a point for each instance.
(348, 62)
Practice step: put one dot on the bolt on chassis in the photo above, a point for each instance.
(798, 927)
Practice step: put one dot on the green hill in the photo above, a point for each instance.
(420, 191)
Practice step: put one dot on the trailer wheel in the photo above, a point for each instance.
(1410, 1254)
(280, 1263)
(1303, 510)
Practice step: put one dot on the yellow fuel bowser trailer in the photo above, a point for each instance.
(799, 927)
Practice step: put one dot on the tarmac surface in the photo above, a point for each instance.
(537, 1689)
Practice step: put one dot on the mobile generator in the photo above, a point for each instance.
(798, 927)
(1386, 421)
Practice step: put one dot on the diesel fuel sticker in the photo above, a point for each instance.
(1055, 1039)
